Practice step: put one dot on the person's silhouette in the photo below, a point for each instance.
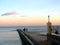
(56, 32)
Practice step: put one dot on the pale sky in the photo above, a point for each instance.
(29, 12)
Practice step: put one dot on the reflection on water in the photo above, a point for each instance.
(9, 38)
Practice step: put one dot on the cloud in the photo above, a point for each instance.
(13, 13)
(9, 13)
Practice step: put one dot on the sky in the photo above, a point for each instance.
(29, 12)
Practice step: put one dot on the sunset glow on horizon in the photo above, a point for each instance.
(29, 20)
(29, 12)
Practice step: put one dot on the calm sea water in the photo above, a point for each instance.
(30, 28)
(9, 38)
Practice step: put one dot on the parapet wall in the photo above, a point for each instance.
(26, 40)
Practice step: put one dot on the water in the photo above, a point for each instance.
(30, 28)
(9, 38)
(56, 28)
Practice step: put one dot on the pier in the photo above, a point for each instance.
(26, 39)
(35, 38)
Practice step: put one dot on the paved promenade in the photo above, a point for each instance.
(37, 36)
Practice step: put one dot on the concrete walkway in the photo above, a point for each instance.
(37, 36)
(40, 37)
